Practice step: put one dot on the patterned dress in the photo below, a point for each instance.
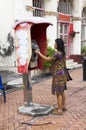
(59, 74)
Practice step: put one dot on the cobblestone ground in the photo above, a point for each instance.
(73, 119)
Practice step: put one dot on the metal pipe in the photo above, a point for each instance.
(27, 89)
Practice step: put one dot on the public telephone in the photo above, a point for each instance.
(34, 57)
(25, 31)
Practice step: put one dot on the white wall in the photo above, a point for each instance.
(6, 17)
(77, 12)
(10, 10)
(20, 11)
(6, 23)
(52, 30)
(77, 26)
(29, 13)
(77, 38)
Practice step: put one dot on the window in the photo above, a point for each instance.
(65, 7)
(84, 12)
(38, 5)
(64, 29)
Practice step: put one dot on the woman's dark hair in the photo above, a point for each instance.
(60, 45)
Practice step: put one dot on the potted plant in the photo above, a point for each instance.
(83, 50)
(48, 64)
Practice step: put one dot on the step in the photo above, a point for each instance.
(16, 82)
(68, 61)
(72, 64)
(78, 65)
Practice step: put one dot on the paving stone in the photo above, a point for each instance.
(73, 119)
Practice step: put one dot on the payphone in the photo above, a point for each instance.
(33, 33)
(34, 57)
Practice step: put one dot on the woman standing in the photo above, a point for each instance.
(59, 79)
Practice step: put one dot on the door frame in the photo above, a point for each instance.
(65, 19)
(65, 34)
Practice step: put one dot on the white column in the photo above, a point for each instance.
(77, 38)
(52, 31)
(51, 6)
(77, 10)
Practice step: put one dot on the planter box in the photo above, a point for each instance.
(77, 58)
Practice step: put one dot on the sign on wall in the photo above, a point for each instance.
(64, 17)
(23, 46)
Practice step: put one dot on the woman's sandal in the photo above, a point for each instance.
(64, 109)
(57, 112)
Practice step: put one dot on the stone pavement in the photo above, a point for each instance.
(73, 119)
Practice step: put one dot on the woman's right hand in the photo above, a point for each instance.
(37, 52)
(42, 56)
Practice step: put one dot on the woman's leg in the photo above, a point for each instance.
(59, 111)
(63, 100)
(59, 102)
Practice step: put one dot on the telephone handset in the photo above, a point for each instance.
(34, 57)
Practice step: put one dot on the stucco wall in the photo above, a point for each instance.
(50, 15)
(6, 23)
(11, 10)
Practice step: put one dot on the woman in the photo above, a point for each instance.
(59, 74)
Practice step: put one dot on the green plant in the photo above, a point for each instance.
(83, 50)
(50, 52)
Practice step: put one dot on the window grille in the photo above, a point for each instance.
(84, 12)
(38, 6)
(65, 7)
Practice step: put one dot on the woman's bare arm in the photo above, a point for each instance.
(42, 56)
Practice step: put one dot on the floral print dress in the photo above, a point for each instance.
(59, 73)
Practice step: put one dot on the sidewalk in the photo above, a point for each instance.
(73, 119)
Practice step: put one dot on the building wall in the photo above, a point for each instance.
(77, 14)
(77, 21)
(77, 9)
(11, 10)
(51, 14)
(6, 18)
(6, 23)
